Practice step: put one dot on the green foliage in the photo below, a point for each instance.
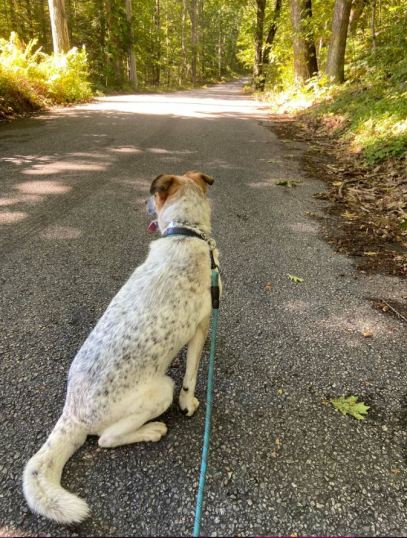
(351, 406)
(31, 79)
(369, 111)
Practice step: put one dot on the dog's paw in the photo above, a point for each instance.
(152, 431)
(188, 404)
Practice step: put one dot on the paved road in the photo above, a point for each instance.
(282, 460)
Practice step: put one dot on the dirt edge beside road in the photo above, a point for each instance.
(364, 217)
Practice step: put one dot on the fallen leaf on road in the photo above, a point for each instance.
(288, 183)
(351, 406)
(296, 279)
(366, 333)
(268, 286)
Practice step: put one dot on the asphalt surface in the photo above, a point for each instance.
(282, 460)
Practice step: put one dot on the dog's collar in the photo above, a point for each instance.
(173, 229)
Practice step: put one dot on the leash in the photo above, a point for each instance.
(209, 402)
(175, 230)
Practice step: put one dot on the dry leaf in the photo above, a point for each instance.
(366, 333)
(349, 216)
(268, 286)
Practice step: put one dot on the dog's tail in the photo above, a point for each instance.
(42, 474)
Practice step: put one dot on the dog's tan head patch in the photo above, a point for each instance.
(202, 180)
(162, 187)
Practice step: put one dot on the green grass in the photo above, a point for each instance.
(31, 80)
(375, 119)
(372, 119)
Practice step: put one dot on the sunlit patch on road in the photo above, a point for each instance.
(11, 217)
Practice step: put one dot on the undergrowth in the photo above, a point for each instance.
(31, 80)
(369, 111)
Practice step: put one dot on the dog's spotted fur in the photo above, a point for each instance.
(117, 382)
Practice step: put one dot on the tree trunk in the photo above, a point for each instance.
(194, 37)
(220, 47)
(374, 24)
(355, 13)
(59, 25)
(258, 79)
(157, 43)
(305, 56)
(335, 67)
(131, 54)
(271, 34)
(184, 67)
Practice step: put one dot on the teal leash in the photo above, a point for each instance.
(209, 403)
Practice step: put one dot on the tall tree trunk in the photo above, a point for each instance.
(258, 79)
(59, 25)
(305, 57)
(373, 24)
(335, 67)
(157, 44)
(312, 51)
(131, 54)
(219, 47)
(356, 12)
(271, 34)
(194, 37)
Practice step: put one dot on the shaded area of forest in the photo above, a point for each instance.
(134, 43)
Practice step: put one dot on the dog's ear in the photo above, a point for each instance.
(202, 179)
(162, 184)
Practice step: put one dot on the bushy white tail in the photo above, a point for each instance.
(42, 475)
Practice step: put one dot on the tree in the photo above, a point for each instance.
(193, 14)
(356, 12)
(335, 67)
(271, 34)
(258, 77)
(59, 25)
(132, 56)
(305, 56)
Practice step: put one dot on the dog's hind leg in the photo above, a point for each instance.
(156, 398)
(187, 401)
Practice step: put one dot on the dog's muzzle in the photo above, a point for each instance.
(150, 207)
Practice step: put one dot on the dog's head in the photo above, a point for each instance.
(180, 198)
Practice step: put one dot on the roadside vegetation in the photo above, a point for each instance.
(335, 74)
(31, 80)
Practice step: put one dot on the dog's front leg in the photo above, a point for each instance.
(187, 401)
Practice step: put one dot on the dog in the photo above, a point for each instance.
(117, 383)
